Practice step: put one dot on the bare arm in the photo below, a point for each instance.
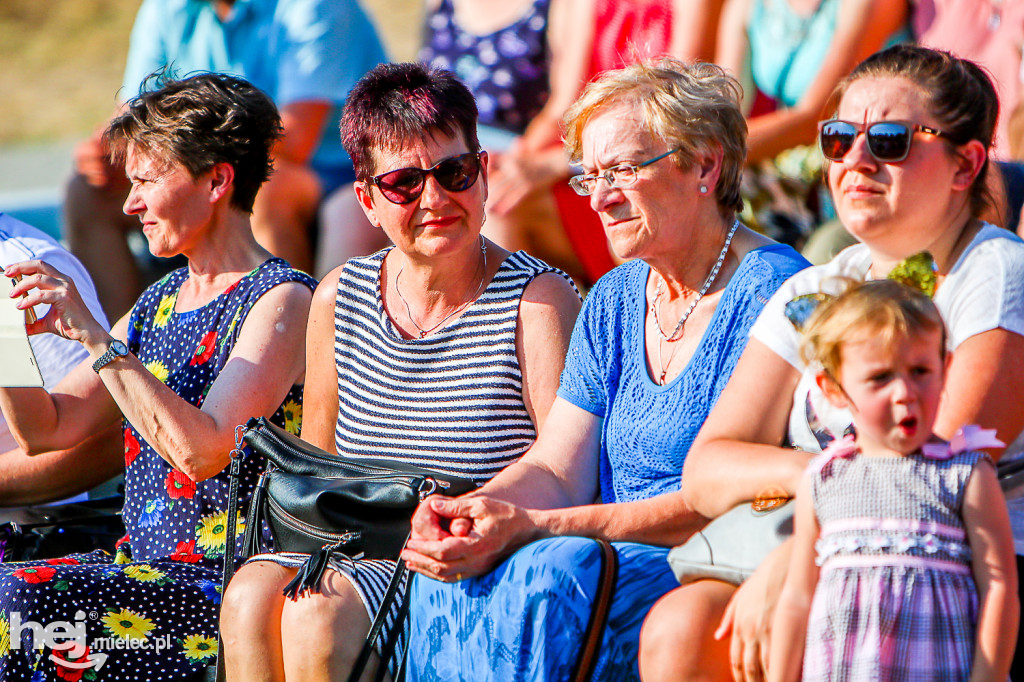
(560, 469)
(984, 385)
(861, 29)
(995, 574)
(56, 475)
(320, 397)
(79, 406)
(266, 361)
(732, 47)
(694, 27)
(738, 452)
(789, 624)
(547, 313)
(304, 124)
(571, 38)
(261, 369)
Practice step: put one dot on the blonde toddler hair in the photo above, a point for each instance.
(884, 309)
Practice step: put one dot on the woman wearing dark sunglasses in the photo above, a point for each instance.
(661, 146)
(443, 351)
(907, 147)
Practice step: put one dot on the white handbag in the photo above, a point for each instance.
(732, 546)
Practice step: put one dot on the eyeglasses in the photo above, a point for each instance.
(622, 175)
(405, 185)
(888, 141)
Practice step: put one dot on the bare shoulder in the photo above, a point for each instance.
(286, 302)
(547, 315)
(288, 293)
(550, 290)
(327, 291)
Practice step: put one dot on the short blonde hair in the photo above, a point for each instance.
(885, 309)
(695, 107)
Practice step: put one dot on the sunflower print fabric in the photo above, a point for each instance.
(150, 612)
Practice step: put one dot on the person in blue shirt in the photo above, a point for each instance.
(305, 54)
(661, 147)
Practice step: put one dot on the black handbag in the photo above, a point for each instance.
(315, 501)
(318, 503)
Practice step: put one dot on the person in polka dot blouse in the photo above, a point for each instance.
(202, 350)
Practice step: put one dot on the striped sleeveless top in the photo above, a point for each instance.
(452, 401)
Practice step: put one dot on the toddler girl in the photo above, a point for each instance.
(903, 564)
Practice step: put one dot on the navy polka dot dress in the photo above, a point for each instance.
(152, 609)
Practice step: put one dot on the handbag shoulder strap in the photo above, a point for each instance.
(599, 615)
(378, 625)
(235, 474)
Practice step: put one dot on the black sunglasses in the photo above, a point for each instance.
(888, 141)
(405, 185)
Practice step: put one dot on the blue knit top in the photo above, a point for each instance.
(647, 429)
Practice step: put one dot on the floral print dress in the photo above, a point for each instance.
(150, 612)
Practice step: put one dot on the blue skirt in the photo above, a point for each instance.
(526, 619)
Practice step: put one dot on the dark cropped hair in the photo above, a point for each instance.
(394, 104)
(201, 121)
(960, 95)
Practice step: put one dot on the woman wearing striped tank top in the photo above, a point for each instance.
(443, 351)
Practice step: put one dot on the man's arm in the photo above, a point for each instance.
(56, 475)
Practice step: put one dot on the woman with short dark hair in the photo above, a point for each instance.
(443, 351)
(202, 350)
(661, 145)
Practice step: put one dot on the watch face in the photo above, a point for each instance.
(119, 348)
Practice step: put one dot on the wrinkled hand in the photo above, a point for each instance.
(68, 315)
(749, 617)
(92, 163)
(460, 538)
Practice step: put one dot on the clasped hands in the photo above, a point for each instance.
(464, 537)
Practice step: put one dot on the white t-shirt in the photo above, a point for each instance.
(983, 291)
(56, 356)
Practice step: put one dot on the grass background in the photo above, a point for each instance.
(61, 61)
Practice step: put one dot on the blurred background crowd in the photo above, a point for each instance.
(69, 65)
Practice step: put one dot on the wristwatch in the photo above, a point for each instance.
(117, 349)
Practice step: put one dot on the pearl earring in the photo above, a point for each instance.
(703, 189)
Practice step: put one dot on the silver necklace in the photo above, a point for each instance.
(480, 287)
(672, 338)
